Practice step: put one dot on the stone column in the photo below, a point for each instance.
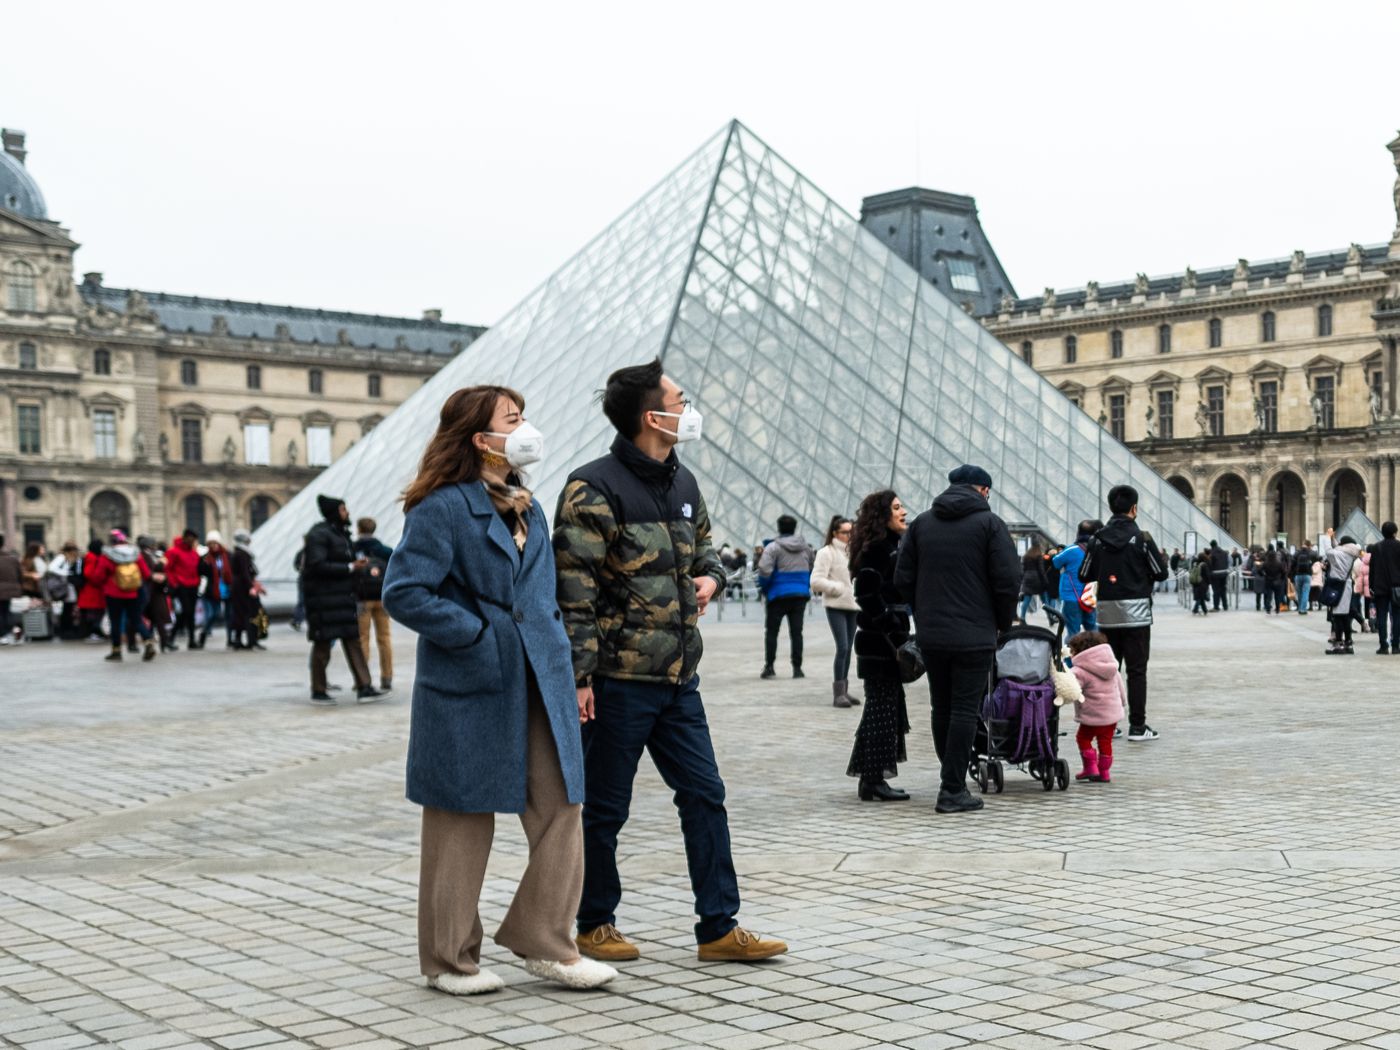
(142, 511)
(1385, 491)
(1375, 486)
(1254, 529)
(1314, 499)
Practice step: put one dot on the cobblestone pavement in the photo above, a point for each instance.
(191, 855)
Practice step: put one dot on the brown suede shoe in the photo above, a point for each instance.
(606, 943)
(739, 945)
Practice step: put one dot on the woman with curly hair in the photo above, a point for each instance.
(882, 626)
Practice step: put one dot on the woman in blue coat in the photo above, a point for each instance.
(495, 723)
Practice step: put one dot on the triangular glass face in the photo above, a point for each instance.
(825, 366)
(1361, 528)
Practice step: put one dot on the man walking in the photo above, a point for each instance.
(1125, 563)
(636, 570)
(785, 574)
(1303, 562)
(369, 589)
(959, 571)
(328, 570)
(1385, 589)
(1219, 576)
(182, 573)
(1071, 589)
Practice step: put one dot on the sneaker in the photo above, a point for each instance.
(607, 943)
(323, 700)
(739, 945)
(1383, 651)
(1118, 732)
(586, 973)
(7, 640)
(797, 673)
(466, 983)
(1136, 733)
(368, 695)
(963, 802)
(768, 672)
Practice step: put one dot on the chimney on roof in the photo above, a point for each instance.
(432, 315)
(92, 279)
(14, 143)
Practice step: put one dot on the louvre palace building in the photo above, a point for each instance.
(154, 412)
(1265, 391)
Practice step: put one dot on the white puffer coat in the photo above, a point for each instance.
(831, 578)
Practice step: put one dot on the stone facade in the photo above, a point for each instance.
(154, 412)
(1266, 392)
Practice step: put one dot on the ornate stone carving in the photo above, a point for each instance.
(342, 336)
(230, 452)
(218, 324)
(1318, 410)
(1202, 418)
(138, 309)
(1298, 263)
(1259, 420)
(138, 446)
(1151, 426)
(1091, 292)
(1312, 466)
(1354, 254)
(1006, 304)
(1255, 468)
(1242, 270)
(164, 446)
(1188, 279)
(1140, 284)
(1049, 300)
(291, 453)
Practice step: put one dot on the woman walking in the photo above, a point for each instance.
(1033, 582)
(882, 626)
(1343, 567)
(243, 593)
(831, 580)
(495, 722)
(1275, 581)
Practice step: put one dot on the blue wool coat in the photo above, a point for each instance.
(484, 612)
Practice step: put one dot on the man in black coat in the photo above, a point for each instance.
(959, 571)
(328, 568)
(1219, 576)
(1385, 587)
(1125, 563)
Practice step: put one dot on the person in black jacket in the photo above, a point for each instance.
(959, 570)
(328, 568)
(882, 626)
(369, 589)
(1125, 563)
(1385, 587)
(1219, 576)
(1303, 561)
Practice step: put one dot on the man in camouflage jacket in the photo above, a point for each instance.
(636, 570)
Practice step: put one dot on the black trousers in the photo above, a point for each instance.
(1133, 646)
(1217, 585)
(188, 598)
(354, 656)
(792, 609)
(957, 682)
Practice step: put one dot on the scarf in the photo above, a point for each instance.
(512, 502)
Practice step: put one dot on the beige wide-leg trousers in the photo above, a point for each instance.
(456, 846)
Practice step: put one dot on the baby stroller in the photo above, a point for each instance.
(1019, 723)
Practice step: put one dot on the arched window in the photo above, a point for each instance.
(1164, 339)
(28, 356)
(1324, 320)
(101, 362)
(189, 375)
(374, 385)
(1115, 343)
(1214, 332)
(1267, 327)
(314, 380)
(1071, 349)
(255, 377)
(195, 516)
(20, 281)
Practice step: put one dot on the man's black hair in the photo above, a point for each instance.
(1122, 498)
(190, 533)
(629, 392)
(1388, 530)
(1214, 544)
(787, 525)
(1088, 527)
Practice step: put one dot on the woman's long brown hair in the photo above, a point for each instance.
(451, 458)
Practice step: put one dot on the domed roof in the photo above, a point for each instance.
(19, 192)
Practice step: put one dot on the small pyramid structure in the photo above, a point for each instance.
(826, 368)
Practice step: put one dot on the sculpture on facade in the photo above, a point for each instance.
(1375, 402)
(1007, 304)
(1258, 416)
(138, 446)
(1396, 191)
(230, 451)
(137, 308)
(1317, 410)
(1354, 254)
(1298, 263)
(1242, 270)
(164, 447)
(1091, 292)
(291, 453)
(1202, 418)
(1140, 285)
(1049, 302)
(1188, 279)
(1151, 429)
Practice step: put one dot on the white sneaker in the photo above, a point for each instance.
(7, 640)
(586, 973)
(478, 983)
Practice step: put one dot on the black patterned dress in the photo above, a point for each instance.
(882, 626)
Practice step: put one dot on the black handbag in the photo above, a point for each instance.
(1394, 599)
(1332, 592)
(911, 661)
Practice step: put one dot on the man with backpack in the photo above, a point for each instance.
(120, 573)
(369, 591)
(1303, 562)
(1125, 563)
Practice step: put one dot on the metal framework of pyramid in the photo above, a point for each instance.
(826, 368)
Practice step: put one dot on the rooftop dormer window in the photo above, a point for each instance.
(964, 275)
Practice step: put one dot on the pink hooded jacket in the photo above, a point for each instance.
(1096, 668)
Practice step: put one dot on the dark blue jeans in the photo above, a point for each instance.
(669, 721)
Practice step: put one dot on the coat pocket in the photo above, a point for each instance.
(463, 673)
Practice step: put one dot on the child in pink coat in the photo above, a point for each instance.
(1096, 669)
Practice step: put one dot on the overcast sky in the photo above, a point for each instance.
(391, 157)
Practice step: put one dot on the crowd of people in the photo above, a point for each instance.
(136, 596)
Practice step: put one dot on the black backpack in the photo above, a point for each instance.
(369, 582)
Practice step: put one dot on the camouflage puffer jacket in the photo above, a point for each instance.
(630, 535)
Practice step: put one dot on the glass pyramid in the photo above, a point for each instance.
(825, 366)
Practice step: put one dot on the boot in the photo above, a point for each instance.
(846, 692)
(879, 791)
(1091, 765)
(150, 653)
(838, 695)
(768, 672)
(797, 671)
(115, 656)
(1105, 764)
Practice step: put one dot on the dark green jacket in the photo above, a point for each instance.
(630, 535)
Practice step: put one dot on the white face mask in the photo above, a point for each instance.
(524, 445)
(690, 426)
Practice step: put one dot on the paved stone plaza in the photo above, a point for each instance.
(191, 855)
